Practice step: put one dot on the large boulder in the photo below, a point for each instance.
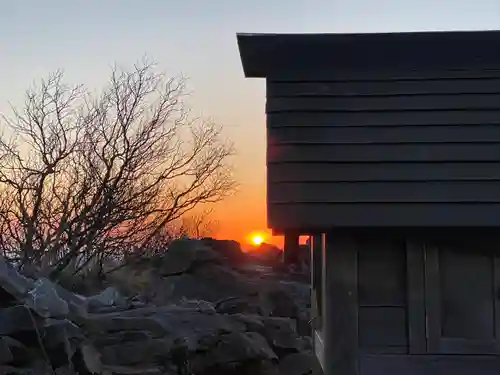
(45, 301)
(8, 348)
(185, 336)
(109, 299)
(297, 364)
(282, 335)
(289, 300)
(13, 285)
(209, 282)
(240, 305)
(229, 250)
(185, 254)
(272, 298)
(267, 253)
(229, 349)
(17, 319)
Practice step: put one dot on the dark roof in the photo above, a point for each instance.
(260, 52)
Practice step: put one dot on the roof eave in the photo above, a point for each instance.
(259, 51)
(253, 50)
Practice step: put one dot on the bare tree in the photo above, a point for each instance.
(195, 225)
(85, 176)
(199, 225)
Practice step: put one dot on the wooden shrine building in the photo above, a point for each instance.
(385, 148)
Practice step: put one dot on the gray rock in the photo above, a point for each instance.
(239, 305)
(136, 370)
(204, 307)
(306, 344)
(173, 322)
(39, 367)
(183, 254)
(222, 282)
(296, 364)
(132, 353)
(210, 282)
(11, 282)
(231, 348)
(253, 323)
(18, 352)
(97, 324)
(10, 370)
(91, 360)
(59, 332)
(44, 300)
(268, 254)
(193, 326)
(228, 249)
(209, 340)
(279, 302)
(6, 355)
(108, 298)
(17, 319)
(288, 299)
(281, 334)
(118, 338)
(53, 333)
(77, 305)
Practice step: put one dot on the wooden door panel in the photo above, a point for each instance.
(461, 301)
(467, 301)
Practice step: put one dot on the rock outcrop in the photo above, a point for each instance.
(198, 314)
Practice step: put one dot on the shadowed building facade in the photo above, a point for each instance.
(385, 148)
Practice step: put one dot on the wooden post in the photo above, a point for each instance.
(291, 249)
(316, 245)
(340, 305)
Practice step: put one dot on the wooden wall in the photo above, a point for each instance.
(414, 148)
(407, 304)
(382, 296)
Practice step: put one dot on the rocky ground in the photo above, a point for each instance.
(202, 308)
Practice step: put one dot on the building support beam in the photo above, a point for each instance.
(291, 249)
(340, 305)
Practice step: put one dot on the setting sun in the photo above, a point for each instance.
(257, 239)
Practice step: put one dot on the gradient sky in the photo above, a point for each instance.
(198, 38)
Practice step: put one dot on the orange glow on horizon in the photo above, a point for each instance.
(257, 239)
(243, 216)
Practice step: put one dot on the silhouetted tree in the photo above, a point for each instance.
(87, 175)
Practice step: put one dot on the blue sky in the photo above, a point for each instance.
(197, 38)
